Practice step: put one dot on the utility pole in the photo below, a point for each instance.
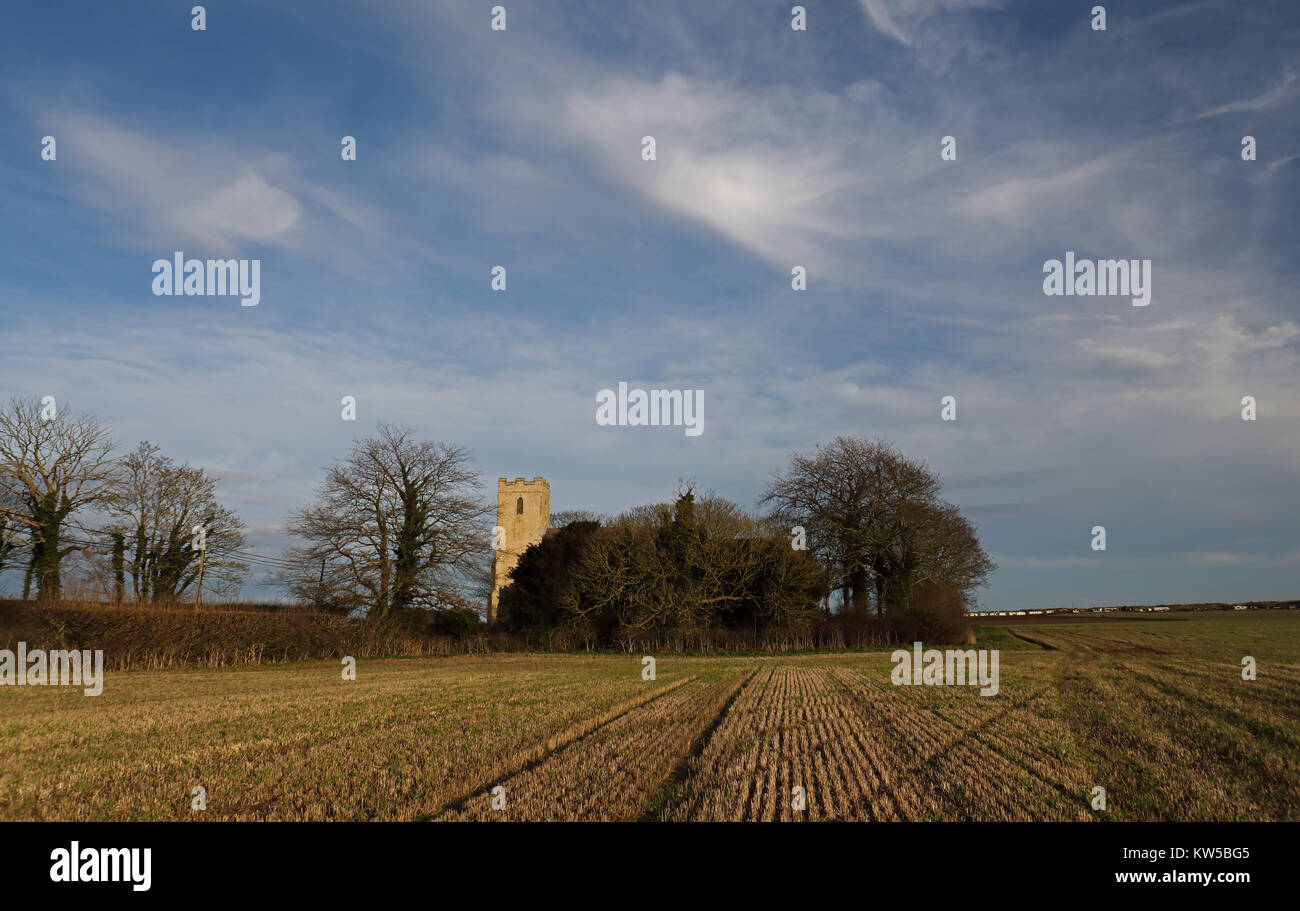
(320, 586)
(119, 568)
(198, 592)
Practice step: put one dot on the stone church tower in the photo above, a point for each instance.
(524, 513)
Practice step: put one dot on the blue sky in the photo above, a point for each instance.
(774, 148)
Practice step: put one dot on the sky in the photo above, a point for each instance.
(774, 148)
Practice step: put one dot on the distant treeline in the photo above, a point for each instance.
(853, 545)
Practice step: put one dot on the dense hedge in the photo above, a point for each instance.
(134, 637)
(155, 637)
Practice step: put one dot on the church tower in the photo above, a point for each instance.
(524, 514)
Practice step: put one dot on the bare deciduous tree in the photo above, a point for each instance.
(876, 524)
(397, 524)
(55, 464)
(569, 516)
(158, 505)
(9, 527)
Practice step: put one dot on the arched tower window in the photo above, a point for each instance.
(519, 506)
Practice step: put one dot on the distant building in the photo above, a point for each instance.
(523, 514)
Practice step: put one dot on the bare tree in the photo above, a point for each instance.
(930, 542)
(569, 516)
(397, 524)
(875, 522)
(159, 506)
(9, 543)
(54, 464)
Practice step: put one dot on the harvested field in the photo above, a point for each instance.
(613, 774)
(1156, 713)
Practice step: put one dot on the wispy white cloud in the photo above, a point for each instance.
(765, 174)
(161, 190)
(187, 189)
(927, 26)
(1127, 354)
(1287, 89)
(1022, 198)
(883, 22)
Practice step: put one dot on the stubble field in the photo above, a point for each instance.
(1154, 711)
